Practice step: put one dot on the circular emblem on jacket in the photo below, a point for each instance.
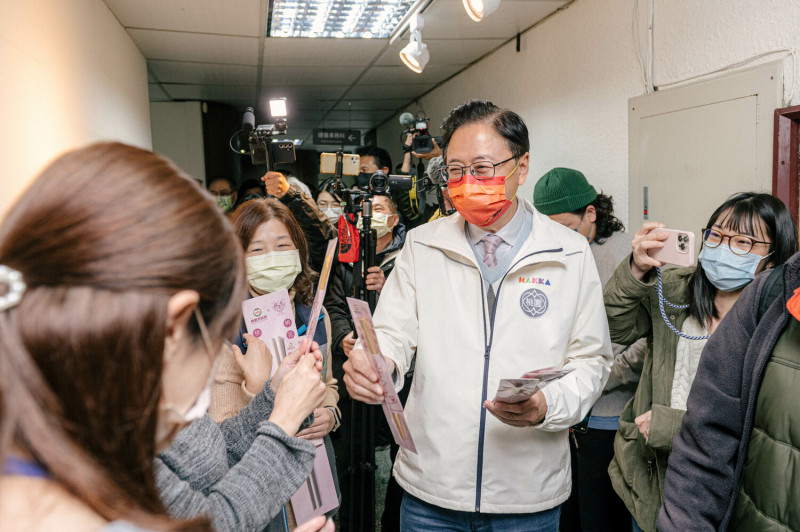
(533, 303)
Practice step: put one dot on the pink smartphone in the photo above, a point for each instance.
(678, 248)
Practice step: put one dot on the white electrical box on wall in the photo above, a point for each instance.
(692, 147)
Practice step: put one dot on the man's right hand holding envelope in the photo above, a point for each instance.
(361, 378)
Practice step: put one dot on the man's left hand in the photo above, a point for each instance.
(525, 414)
(276, 184)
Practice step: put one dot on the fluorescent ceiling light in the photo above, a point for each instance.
(361, 19)
(480, 9)
(277, 108)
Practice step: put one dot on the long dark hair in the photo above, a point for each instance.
(744, 212)
(81, 355)
(607, 224)
(252, 214)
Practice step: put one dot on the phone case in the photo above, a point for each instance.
(678, 248)
(350, 164)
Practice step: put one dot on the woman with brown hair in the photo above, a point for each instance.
(276, 258)
(112, 310)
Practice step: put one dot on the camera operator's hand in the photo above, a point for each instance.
(361, 378)
(276, 184)
(435, 152)
(525, 414)
(348, 343)
(375, 279)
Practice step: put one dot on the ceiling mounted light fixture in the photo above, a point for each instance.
(355, 19)
(415, 54)
(480, 9)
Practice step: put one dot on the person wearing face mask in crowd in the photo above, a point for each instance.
(564, 195)
(276, 259)
(486, 294)
(315, 226)
(107, 344)
(224, 190)
(745, 235)
(391, 236)
(329, 202)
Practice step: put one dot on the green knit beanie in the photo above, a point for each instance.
(562, 190)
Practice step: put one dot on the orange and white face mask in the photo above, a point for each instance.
(481, 201)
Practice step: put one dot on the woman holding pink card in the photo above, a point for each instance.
(276, 257)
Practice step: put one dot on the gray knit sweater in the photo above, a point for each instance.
(628, 360)
(238, 473)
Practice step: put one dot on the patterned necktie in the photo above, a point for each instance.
(490, 242)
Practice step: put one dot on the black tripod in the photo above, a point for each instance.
(360, 489)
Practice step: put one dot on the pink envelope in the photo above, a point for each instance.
(271, 319)
(317, 495)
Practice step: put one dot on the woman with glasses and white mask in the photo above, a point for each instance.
(748, 233)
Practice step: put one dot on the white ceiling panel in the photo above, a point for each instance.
(303, 75)
(305, 92)
(196, 47)
(357, 115)
(377, 105)
(401, 74)
(232, 17)
(512, 16)
(443, 51)
(388, 91)
(321, 52)
(204, 73)
(210, 92)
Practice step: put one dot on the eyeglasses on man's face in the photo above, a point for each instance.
(739, 244)
(453, 173)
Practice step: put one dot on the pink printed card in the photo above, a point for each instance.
(317, 495)
(392, 407)
(271, 319)
(519, 390)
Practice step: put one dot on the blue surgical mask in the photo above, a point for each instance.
(726, 270)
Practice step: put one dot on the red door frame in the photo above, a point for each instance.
(785, 158)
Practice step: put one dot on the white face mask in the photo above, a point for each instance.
(170, 420)
(273, 271)
(333, 214)
(380, 222)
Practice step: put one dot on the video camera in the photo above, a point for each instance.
(380, 183)
(263, 148)
(420, 128)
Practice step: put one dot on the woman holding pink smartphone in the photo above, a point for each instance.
(677, 310)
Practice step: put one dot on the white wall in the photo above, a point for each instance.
(178, 134)
(575, 72)
(70, 76)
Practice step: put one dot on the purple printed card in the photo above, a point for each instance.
(321, 289)
(271, 319)
(317, 495)
(392, 407)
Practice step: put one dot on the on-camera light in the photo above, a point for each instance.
(480, 9)
(277, 108)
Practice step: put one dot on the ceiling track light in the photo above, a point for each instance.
(415, 54)
(480, 9)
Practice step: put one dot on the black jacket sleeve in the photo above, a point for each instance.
(315, 225)
(700, 478)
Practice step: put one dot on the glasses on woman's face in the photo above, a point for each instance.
(739, 244)
(453, 173)
(336, 206)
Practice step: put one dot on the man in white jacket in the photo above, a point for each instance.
(490, 293)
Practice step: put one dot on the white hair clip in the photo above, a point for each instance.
(15, 287)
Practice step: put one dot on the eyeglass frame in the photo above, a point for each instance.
(444, 170)
(752, 240)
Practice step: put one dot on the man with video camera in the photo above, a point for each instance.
(487, 294)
